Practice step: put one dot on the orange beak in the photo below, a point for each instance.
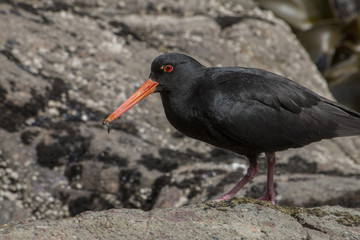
(147, 88)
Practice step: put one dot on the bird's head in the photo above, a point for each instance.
(172, 73)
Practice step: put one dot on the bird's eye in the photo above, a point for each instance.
(168, 68)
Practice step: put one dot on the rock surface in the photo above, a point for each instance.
(237, 219)
(66, 64)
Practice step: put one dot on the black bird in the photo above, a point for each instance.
(246, 110)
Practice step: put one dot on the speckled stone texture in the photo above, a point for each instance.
(236, 219)
(66, 64)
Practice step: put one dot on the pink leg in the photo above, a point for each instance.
(251, 172)
(269, 194)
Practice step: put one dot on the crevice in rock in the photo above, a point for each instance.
(158, 184)
(130, 182)
(312, 227)
(14, 116)
(349, 200)
(30, 9)
(124, 30)
(228, 21)
(12, 58)
(94, 202)
(168, 161)
(297, 164)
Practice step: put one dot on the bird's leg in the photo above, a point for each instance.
(251, 172)
(269, 194)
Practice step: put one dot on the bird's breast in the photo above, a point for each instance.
(186, 117)
(192, 119)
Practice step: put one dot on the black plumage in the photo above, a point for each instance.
(245, 110)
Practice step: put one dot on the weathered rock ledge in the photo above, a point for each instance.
(235, 219)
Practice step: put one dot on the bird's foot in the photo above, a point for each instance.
(268, 197)
(223, 198)
(251, 172)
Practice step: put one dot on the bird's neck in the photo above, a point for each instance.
(181, 112)
(175, 103)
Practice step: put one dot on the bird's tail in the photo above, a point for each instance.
(348, 120)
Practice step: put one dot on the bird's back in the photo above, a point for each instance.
(269, 113)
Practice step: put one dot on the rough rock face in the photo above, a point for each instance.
(66, 64)
(205, 221)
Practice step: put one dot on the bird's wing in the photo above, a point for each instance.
(267, 111)
(268, 88)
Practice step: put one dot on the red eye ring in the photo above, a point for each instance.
(168, 68)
